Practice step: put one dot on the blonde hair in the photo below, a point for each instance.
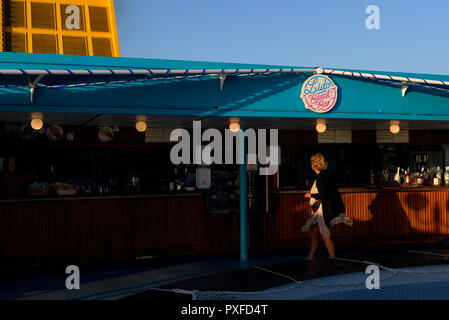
(318, 162)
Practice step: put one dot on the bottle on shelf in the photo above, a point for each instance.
(403, 173)
(427, 181)
(408, 177)
(420, 180)
(372, 177)
(397, 177)
(172, 183)
(438, 177)
(179, 179)
(446, 176)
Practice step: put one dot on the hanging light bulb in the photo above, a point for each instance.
(141, 126)
(321, 126)
(36, 120)
(394, 127)
(234, 127)
(234, 124)
(37, 124)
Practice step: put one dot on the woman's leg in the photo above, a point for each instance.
(314, 242)
(329, 246)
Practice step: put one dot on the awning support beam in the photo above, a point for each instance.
(222, 79)
(404, 90)
(33, 86)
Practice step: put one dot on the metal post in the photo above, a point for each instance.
(243, 204)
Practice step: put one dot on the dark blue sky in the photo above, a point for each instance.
(413, 35)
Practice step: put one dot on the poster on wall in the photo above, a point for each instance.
(385, 136)
(203, 178)
(335, 136)
(225, 194)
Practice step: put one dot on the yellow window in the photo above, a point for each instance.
(14, 14)
(74, 45)
(15, 42)
(65, 16)
(99, 21)
(102, 47)
(45, 43)
(43, 15)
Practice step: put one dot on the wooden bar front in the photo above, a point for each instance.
(110, 227)
(380, 216)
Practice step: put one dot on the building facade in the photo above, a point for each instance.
(74, 27)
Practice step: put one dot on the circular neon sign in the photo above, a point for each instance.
(319, 93)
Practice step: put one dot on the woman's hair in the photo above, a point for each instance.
(318, 162)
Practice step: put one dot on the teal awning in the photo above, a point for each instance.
(78, 84)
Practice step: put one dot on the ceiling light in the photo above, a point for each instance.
(321, 126)
(394, 127)
(234, 126)
(36, 120)
(141, 126)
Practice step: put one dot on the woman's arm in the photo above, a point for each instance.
(322, 184)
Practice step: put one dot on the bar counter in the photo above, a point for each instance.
(380, 215)
(376, 189)
(92, 228)
(55, 197)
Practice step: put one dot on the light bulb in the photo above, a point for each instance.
(141, 126)
(394, 127)
(234, 127)
(37, 124)
(321, 127)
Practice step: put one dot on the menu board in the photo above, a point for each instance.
(385, 136)
(335, 136)
(343, 136)
(203, 178)
(153, 135)
(327, 137)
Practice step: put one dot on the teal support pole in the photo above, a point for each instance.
(243, 203)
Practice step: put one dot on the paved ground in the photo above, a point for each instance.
(115, 283)
(136, 280)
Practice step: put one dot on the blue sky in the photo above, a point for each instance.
(413, 35)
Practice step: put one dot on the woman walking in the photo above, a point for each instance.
(327, 207)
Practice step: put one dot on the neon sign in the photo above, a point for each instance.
(319, 93)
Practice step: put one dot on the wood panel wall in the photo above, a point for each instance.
(379, 217)
(101, 229)
(40, 232)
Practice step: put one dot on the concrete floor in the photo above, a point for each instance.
(117, 280)
(112, 285)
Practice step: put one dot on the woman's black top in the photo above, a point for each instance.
(329, 195)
